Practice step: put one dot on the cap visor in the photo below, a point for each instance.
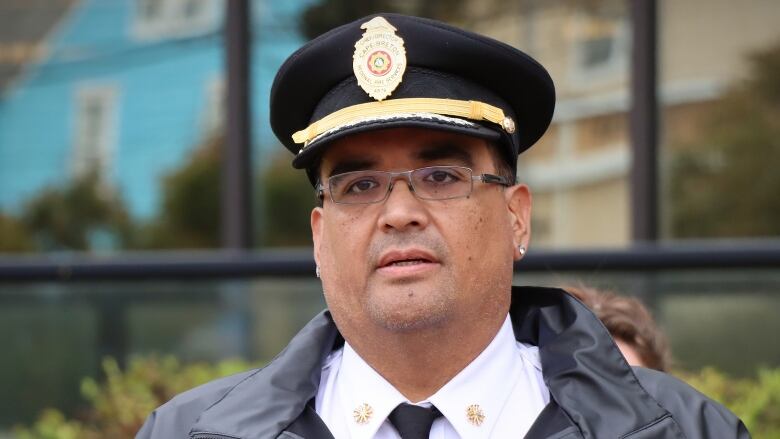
(311, 153)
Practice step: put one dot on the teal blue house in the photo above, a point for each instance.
(131, 87)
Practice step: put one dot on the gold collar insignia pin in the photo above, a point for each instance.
(362, 413)
(379, 60)
(475, 415)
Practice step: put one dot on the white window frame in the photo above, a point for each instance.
(170, 21)
(614, 69)
(213, 115)
(95, 144)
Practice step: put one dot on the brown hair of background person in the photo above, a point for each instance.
(630, 324)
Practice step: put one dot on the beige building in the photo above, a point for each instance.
(579, 171)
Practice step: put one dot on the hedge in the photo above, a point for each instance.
(119, 404)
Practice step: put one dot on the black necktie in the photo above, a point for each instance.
(413, 421)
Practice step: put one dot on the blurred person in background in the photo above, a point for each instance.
(409, 130)
(630, 324)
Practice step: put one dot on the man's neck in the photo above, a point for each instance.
(419, 363)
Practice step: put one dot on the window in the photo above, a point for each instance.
(95, 131)
(193, 8)
(600, 51)
(213, 114)
(175, 18)
(597, 52)
(150, 10)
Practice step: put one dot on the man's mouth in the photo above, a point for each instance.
(407, 262)
(406, 258)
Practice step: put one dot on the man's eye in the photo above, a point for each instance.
(359, 186)
(442, 176)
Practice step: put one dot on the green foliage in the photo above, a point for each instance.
(191, 203)
(755, 401)
(119, 404)
(730, 169)
(52, 425)
(70, 217)
(289, 198)
(14, 235)
(64, 218)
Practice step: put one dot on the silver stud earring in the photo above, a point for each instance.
(317, 271)
(521, 249)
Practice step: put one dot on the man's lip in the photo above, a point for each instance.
(405, 255)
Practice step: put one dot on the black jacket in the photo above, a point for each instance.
(594, 393)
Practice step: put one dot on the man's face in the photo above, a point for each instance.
(408, 264)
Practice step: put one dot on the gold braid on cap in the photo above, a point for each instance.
(473, 110)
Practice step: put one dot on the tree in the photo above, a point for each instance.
(726, 183)
(72, 216)
(190, 208)
(14, 235)
(288, 198)
(190, 214)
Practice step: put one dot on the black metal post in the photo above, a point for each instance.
(644, 122)
(112, 330)
(236, 214)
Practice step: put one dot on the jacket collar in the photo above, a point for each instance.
(267, 402)
(588, 379)
(586, 374)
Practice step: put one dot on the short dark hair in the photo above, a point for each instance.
(503, 168)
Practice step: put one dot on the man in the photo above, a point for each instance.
(409, 130)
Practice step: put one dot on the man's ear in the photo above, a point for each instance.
(316, 232)
(518, 200)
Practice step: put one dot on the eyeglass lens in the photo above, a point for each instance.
(431, 183)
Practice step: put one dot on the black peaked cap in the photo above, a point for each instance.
(443, 61)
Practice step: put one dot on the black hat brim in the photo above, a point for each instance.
(312, 152)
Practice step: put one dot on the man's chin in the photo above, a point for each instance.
(410, 323)
(409, 309)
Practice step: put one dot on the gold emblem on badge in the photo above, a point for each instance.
(379, 60)
(475, 415)
(362, 414)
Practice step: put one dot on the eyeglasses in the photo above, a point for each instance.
(430, 183)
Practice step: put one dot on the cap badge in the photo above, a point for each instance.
(379, 60)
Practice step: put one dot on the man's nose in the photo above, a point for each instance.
(402, 209)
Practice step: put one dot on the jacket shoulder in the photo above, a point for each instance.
(697, 415)
(175, 418)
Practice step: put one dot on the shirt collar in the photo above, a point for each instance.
(360, 387)
(473, 400)
(485, 385)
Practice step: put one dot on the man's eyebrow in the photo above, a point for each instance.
(351, 165)
(446, 150)
(441, 150)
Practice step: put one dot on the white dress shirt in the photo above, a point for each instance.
(503, 384)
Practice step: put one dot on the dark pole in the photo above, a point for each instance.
(112, 330)
(644, 122)
(236, 214)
